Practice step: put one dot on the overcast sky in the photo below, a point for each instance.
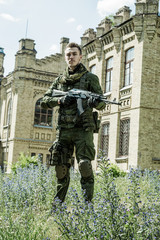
(48, 21)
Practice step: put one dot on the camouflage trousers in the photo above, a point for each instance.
(82, 142)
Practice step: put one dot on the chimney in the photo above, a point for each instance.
(122, 15)
(63, 43)
(88, 36)
(104, 26)
(117, 20)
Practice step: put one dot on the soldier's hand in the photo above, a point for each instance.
(66, 100)
(93, 102)
(44, 105)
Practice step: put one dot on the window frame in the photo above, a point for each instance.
(44, 114)
(8, 115)
(109, 72)
(104, 139)
(124, 135)
(128, 66)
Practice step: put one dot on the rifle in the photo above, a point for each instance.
(82, 94)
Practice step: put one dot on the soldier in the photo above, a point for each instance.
(74, 131)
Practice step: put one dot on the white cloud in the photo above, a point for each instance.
(2, 1)
(7, 2)
(9, 17)
(54, 48)
(70, 20)
(106, 7)
(79, 27)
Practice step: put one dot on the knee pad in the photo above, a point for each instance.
(85, 168)
(61, 171)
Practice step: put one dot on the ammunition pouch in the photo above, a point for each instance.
(67, 119)
(87, 121)
(90, 121)
(59, 155)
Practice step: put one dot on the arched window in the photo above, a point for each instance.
(42, 116)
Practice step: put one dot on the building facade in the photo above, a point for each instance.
(125, 54)
(24, 126)
(126, 58)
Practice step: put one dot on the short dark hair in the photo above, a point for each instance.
(72, 45)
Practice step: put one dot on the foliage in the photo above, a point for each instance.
(111, 17)
(22, 226)
(108, 217)
(25, 201)
(112, 169)
(123, 207)
(116, 171)
(24, 161)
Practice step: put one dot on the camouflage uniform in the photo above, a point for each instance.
(74, 131)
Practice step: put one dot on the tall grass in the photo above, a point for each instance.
(125, 207)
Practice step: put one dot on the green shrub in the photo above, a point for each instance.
(111, 169)
(116, 171)
(24, 161)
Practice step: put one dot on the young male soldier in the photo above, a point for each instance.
(74, 130)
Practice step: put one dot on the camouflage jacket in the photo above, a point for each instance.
(80, 79)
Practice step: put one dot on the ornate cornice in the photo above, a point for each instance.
(107, 38)
(127, 28)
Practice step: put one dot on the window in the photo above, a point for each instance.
(109, 70)
(42, 116)
(124, 137)
(105, 138)
(93, 69)
(8, 117)
(33, 154)
(129, 67)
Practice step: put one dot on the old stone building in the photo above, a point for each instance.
(125, 55)
(126, 58)
(25, 126)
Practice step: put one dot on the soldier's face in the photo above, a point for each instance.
(72, 57)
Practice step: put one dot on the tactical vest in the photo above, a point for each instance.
(68, 115)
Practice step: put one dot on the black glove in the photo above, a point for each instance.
(45, 105)
(67, 100)
(93, 102)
